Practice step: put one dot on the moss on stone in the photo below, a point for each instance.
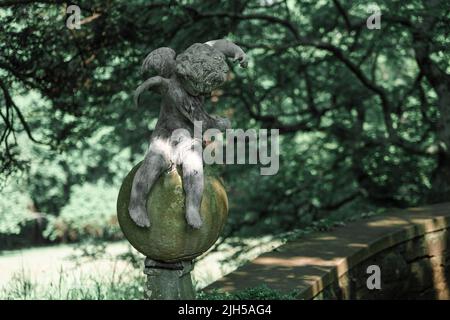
(170, 238)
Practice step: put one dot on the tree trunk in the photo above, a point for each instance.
(440, 82)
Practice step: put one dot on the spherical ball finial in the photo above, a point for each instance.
(170, 238)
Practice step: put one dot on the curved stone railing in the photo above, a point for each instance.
(411, 248)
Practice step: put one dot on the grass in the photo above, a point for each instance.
(80, 272)
(113, 271)
(66, 287)
(97, 270)
(21, 287)
(257, 293)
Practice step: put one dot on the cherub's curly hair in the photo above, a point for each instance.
(202, 67)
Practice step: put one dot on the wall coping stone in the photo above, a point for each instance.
(310, 264)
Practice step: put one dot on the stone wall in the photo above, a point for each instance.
(411, 247)
(414, 269)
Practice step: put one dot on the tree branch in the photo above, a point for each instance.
(10, 104)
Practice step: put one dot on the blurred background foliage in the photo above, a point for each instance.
(363, 114)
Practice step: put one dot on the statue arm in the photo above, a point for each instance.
(208, 121)
(230, 50)
(213, 121)
(220, 123)
(158, 84)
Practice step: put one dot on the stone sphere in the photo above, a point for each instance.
(170, 238)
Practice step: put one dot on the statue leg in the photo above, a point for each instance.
(154, 164)
(192, 165)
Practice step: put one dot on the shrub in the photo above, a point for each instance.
(91, 212)
(261, 292)
(13, 210)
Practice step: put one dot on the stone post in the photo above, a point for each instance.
(168, 281)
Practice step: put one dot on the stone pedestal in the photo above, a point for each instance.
(170, 238)
(168, 281)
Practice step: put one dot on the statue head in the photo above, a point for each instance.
(200, 69)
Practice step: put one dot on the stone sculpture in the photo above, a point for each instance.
(185, 211)
(183, 80)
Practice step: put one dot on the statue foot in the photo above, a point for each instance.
(193, 218)
(139, 215)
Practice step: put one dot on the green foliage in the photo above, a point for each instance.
(257, 293)
(89, 213)
(90, 248)
(96, 287)
(362, 113)
(13, 209)
(92, 287)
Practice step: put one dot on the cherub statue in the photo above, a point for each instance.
(183, 80)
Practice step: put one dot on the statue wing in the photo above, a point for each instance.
(161, 60)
